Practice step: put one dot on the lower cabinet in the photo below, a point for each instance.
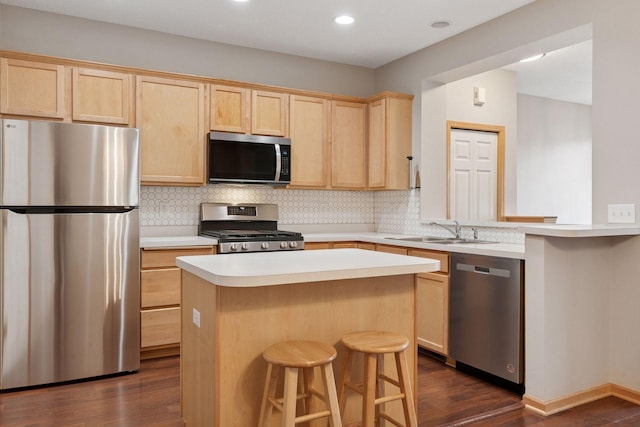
(329, 245)
(160, 281)
(432, 300)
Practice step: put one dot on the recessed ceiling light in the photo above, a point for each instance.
(533, 58)
(440, 24)
(241, 1)
(344, 20)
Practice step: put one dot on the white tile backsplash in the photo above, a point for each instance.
(389, 211)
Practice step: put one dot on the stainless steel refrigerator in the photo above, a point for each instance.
(69, 252)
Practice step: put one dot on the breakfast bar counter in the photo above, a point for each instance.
(235, 306)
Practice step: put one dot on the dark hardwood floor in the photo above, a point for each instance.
(151, 397)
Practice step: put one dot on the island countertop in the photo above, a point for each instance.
(279, 268)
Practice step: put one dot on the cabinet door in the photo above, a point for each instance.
(31, 88)
(269, 113)
(309, 133)
(432, 311)
(348, 162)
(101, 96)
(170, 116)
(229, 109)
(377, 144)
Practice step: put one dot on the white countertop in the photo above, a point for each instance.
(175, 242)
(605, 230)
(280, 268)
(505, 250)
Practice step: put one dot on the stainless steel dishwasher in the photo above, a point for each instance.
(486, 314)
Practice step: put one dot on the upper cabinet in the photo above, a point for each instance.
(309, 132)
(101, 96)
(348, 145)
(30, 88)
(229, 108)
(171, 117)
(389, 142)
(269, 113)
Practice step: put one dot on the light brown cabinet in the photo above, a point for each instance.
(269, 113)
(329, 245)
(230, 108)
(348, 145)
(102, 96)
(29, 88)
(389, 142)
(432, 300)
(309, 132)
(160, 281)
(171, 117)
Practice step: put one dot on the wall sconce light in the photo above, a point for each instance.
(479, 96)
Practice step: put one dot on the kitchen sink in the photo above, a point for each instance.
(441, 240)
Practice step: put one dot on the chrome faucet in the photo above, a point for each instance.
(455, 231)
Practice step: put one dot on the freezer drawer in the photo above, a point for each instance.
(70, 296)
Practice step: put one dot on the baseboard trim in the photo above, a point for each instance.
(580, 398)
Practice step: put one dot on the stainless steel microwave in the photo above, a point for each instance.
(249, 159)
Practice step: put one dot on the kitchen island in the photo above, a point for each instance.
(234, 306)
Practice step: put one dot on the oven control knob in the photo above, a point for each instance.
(233, 247)
(284, 245)
(264, 245)
(245, 246)
(293, 244)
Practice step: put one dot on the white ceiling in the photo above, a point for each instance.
(564, 74)
(384, 30)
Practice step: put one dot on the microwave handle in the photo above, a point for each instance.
(278, 162)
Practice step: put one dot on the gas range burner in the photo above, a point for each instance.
(246, 228)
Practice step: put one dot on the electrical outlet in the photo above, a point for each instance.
(196, 317)
(621, 214)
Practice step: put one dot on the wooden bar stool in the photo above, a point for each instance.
(374, 345)
(292, 356)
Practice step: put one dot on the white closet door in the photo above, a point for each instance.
(473, 188)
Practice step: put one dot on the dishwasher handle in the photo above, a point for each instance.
(489, 271)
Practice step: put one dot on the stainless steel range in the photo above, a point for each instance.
(246, 228)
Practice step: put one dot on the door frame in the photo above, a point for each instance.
(500, 131)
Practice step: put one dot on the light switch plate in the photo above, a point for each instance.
(621, 214)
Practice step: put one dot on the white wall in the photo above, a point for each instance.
(454, 101)
(554, 159)
(553, 24)
(31, 31)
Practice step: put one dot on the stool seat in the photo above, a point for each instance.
(375, 342)
(300, 354)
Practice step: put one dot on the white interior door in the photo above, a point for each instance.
(473, 179)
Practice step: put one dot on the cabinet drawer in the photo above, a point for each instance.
(443, 257)
(160, 287)
(150, 258)
(391, 249)
(160, 327)
(317, 245)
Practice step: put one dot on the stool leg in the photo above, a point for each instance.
(330, 395)
(380, 389)
(346, 376)
(369, 392)
(307, 384)
(290, 395)
(405, 387)
(270, 383)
